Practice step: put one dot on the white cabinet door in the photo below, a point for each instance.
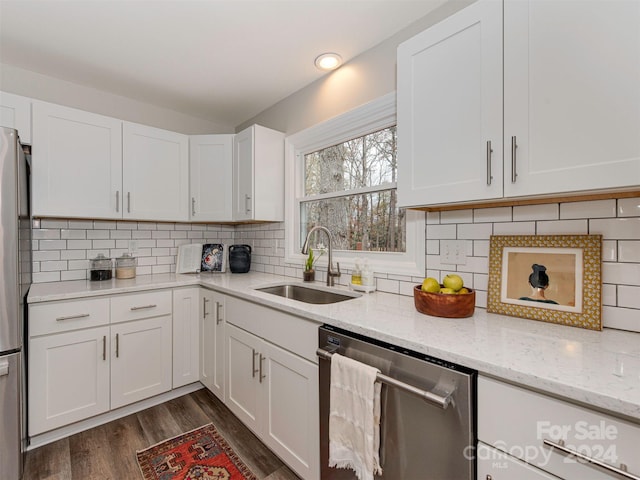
(212, 342)
(76, 163)
(496, 465)
(140, 360)
(450, 108)
(210, 171)
(155, 174)
(242, 376)
(68, 378)
(186, 336)
(15, 112)
(258, 175)
(571, 95)
(290, 395)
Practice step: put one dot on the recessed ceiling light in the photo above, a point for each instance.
(328, 61)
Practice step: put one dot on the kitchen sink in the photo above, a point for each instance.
(308, 294)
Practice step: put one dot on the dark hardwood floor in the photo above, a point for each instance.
(109, 451)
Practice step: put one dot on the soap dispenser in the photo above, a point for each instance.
(356, 274)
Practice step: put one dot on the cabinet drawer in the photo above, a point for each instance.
(140, 305)
(496, 465)
(518, 421)
(55, 317)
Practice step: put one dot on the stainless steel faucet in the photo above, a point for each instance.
(331, 273)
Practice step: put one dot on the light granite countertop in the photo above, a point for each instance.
(599, 369)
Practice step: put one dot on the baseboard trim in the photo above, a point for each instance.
(68, 430)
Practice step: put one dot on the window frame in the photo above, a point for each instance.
(368, 118)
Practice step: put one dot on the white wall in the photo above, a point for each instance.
(365, 78)
(35, 85)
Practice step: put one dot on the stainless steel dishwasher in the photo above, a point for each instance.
(427, 428)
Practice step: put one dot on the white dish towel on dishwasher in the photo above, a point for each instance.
(354, 417)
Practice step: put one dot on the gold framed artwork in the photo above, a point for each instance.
(552, 278)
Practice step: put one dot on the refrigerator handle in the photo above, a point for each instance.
(4, 367)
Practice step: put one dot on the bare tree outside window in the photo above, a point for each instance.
(350, 188)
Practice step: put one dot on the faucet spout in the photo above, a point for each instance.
(331, 273)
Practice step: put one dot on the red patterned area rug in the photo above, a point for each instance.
(201, 454)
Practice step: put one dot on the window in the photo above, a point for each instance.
(350, 188)
(341, 174)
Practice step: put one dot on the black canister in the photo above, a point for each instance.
(239, 258)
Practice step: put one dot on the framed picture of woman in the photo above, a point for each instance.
(553, 278)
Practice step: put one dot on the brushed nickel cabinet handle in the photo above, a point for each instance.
(117, 200)
(254, 370)
(514, 147)
(247, 203)
(622, 471)
(142, 307)
(204, 307)
(117, 345)
(218, 314)
(193, 205)
(489, 152)
(104, 347)
(72, 317)
(128, 202)
(261, 377)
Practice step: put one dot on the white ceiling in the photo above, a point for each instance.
(221, 60)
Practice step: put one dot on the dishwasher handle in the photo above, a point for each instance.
(430, 397)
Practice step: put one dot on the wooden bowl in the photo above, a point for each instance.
(449, 305)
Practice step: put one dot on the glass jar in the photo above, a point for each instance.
(101, 268)
(125, 266)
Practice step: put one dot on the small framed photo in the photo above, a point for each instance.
(552, 278)
(214, 258)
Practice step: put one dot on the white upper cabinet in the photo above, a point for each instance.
(571, 95)
(15, 112)
(258, 173)
(450, 107)
(155, 174)
(76, 163)
(210, 168)
(571, 102)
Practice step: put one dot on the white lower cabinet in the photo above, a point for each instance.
(141, 360)
(496, 465)
(525, 424)
(89, 356)
(275, 393)
(212, 345)
(186, 336)
(68, 378)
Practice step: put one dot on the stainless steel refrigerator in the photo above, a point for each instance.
(15, 279)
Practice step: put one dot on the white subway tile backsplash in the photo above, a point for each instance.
(46, 234)
(51, 245)
(609, 295)
(46, 255)
(53, 266)
(79, 244)
(103, 244)
(616, 228)
(629, 251)
(621, 318)
(475, 231)
(432, 218)
(81, 224)
(621, 273)
(549, 211)
(157, 247)
(442, 232)
(456, 216)
(562, 227)
(514, 228)
(593, 209)
(629, 297)
(629, 207)
(609, 251)
(497, 214)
